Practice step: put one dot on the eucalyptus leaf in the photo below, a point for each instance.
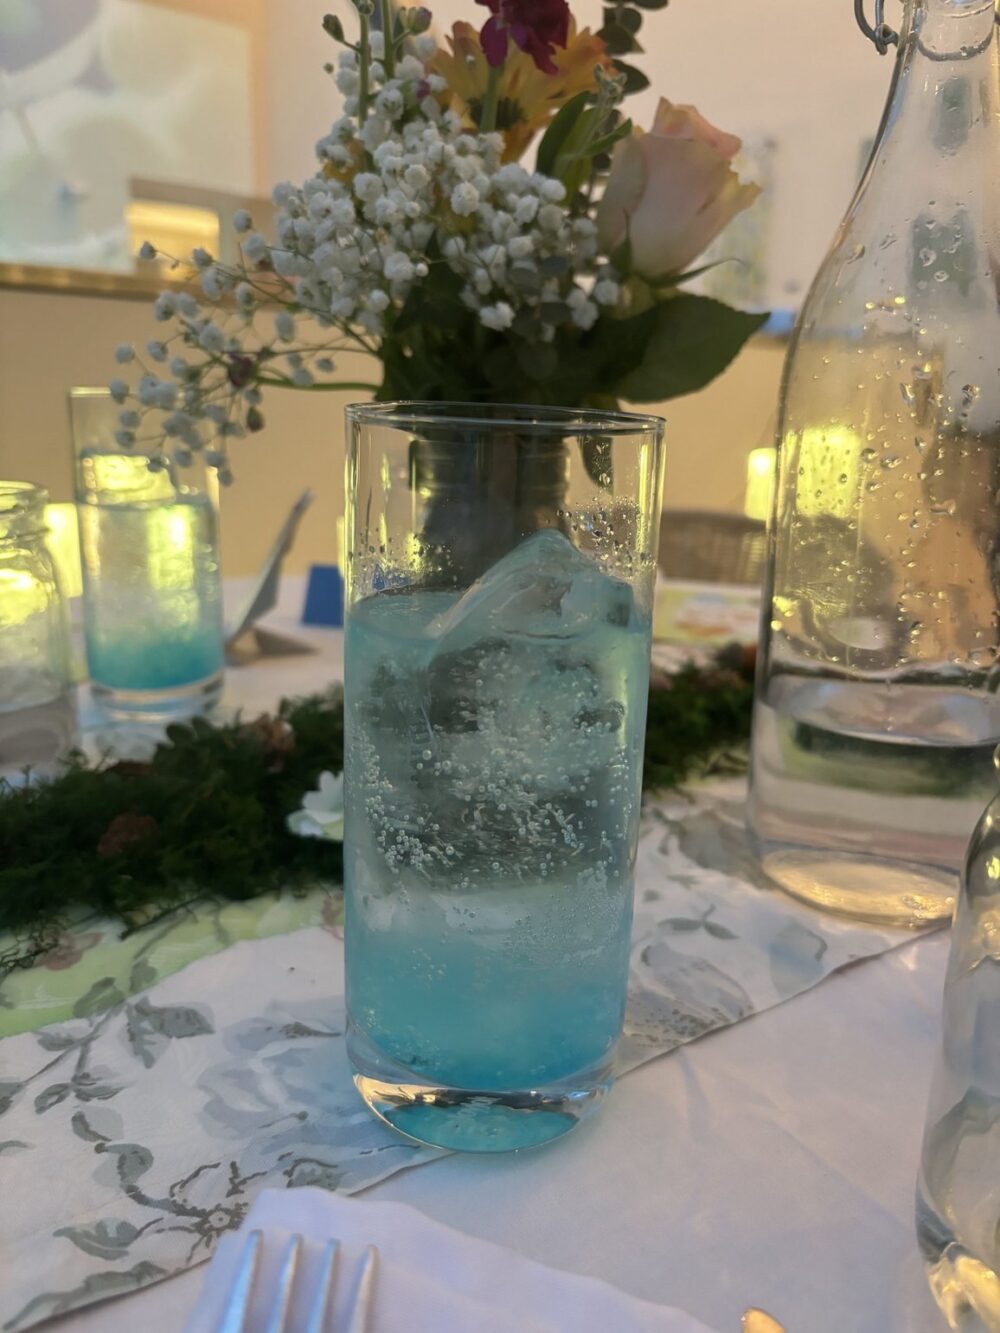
(635, 80)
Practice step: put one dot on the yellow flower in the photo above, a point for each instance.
(529, 98)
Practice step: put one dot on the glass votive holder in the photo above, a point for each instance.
(152, 587)
(37, 706)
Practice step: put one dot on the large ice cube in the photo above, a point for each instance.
(544, 589)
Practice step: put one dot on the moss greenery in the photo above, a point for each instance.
(205, 818)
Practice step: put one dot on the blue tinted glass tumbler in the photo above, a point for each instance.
(152, 587)
(501, 564)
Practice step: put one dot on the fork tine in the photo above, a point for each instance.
(361, 1310)
(320, 1311)
(277, 1322)
(238, 1301)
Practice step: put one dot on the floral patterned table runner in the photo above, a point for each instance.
(169, 1091)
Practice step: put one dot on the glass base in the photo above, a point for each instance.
(966, 1290)
(173, 705)
(867, 888)
(471, 1120)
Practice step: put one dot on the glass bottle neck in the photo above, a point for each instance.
(949, 30)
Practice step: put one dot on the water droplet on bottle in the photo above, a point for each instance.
(940, 275)
(908, 394)
(857, 253)
(970, 392)
(891, 461)
(927, 256)
(947, 507)
(868, 454)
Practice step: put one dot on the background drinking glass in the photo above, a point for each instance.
(37, 715)
(958, 1194)
(501, 564)
(151, 580)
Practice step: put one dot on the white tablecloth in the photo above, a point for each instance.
(770, 1164)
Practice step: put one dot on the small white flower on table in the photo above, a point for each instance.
(322, 812)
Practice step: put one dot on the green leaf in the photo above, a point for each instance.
(719, 932)
(52, 1096)
(537, 361)
(635, 80)
(558, 131)
(103, 994)
(618, 40)
(107, 1239)
(694, 339)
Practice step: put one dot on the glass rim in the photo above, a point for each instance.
(21, 497)
(525, 417)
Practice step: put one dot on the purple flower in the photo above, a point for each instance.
(537, 27)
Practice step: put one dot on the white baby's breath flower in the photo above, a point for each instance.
(119, 390)
(211, 284)
(242, 221)
(156, 350)
(212, 339)
(255, 248)
(499, 316)
(606, 292)
(147, 252)
(464, 199)
(284, 325)
(124, 353)
(165, 307)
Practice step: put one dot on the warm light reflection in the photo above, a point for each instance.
(64, 546)
(22, 596)
(761, 465)
(829, 461)
(174, 229)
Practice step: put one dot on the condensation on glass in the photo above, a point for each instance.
(501, 565)
(877, 708)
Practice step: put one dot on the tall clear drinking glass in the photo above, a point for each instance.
(152, 589)
(501, 564)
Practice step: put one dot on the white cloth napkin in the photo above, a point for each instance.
(429, 1278)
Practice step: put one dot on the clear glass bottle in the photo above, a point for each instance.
(958, 1195)
(37, 712)
(877, 707)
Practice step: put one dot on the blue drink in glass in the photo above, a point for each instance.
(500, 563)
(493, 760)
(152, 588)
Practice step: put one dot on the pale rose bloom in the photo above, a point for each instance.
(671, 191)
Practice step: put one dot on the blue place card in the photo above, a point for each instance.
(324, 597)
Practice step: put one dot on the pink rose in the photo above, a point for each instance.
(671, 191)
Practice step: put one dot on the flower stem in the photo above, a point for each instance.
(491, 101)
(364, 64)
(388, 35)
(283, 382)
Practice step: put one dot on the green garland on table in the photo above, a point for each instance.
(206, 817)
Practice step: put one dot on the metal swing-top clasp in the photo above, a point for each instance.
(881, 34)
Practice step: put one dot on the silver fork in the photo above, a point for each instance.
(237, 1313)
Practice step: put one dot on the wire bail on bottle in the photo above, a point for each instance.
(881, 35)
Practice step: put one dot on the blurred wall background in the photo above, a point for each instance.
(799, 75)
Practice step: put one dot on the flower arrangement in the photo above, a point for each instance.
(426, 246)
